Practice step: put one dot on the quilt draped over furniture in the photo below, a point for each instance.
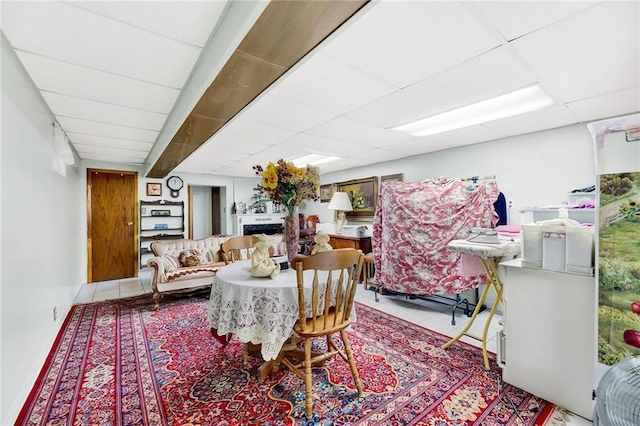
(414, 222)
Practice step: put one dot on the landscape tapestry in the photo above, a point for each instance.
(619, 267)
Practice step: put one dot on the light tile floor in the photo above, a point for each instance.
(431, 315)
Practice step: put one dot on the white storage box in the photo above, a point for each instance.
(532, 246)
(544, 245)
(554, 247)
(580, 249)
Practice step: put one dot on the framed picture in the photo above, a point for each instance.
(398, 177)
(326, 191)
(154, 189)
(160, 212)
(363, 194)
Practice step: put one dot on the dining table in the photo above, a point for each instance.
(259, 311)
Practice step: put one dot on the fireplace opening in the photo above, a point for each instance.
(262, 228)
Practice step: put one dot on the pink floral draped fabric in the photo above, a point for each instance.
(414, 222)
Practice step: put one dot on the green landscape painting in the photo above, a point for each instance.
(619, 267)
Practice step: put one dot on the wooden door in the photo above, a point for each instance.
(216, 226)
(112, 224)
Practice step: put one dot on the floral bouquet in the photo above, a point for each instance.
(288, 185)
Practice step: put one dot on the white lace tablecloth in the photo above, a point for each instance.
(257, 310)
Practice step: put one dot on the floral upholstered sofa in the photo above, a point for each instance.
(184, 265)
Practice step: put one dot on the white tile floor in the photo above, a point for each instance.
(434, 316)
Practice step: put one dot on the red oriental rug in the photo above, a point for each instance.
(121, 362)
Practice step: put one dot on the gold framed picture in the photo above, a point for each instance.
(363, 194)
(326, 192)
(154, 189)
(398, 177)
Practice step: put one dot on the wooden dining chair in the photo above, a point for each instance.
(238, 248)
(330, 311)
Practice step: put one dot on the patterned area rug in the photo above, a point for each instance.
(122, 362)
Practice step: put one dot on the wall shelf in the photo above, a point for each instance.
(174, 222)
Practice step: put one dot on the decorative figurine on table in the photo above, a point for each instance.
(261, 264)
(322, 243)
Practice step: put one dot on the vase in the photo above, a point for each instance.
(292, 232)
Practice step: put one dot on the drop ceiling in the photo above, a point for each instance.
(122, 77)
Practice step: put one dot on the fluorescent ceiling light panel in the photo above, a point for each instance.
(313, 159)
(529, 99)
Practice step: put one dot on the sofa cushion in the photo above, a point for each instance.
(170, 262)
(211, 255)
(190, 257)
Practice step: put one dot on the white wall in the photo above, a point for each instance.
(43, 236)
(536, 169)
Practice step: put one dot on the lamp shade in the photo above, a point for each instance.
(340, 201)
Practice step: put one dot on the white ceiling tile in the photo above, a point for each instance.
(404, 42)
(328, 85)
(273, 154)
(345, 130)
(72, 80)
(221, 153)
(548, 118)
(588, 54)
(316, 145)
(417, 147)
(76, 138)
(93, 149)
(104, 113)
(64, 32)
(377, 155)
(514, 19)
(342, 164)
(182, 168)
(188, 21)
(607, 105)
(272, 111)
(223, 143)
(112, 158)
(203, 162)
(85, 127)
(489, 75)
(254, 132)
(466, 136)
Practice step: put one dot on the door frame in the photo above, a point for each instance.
(215, 207)
(136, 232)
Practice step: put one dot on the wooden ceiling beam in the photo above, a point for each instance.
(285, 32)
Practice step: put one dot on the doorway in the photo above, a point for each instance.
(112, 224)
(204, 211)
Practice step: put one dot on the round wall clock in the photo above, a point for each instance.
(175, 185)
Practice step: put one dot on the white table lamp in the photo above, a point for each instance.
(340, 202)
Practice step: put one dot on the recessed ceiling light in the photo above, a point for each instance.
(313, 159)
(529, 99)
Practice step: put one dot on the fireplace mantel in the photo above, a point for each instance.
(253, 222)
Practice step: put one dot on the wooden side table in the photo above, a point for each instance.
(363, 244)
(345, 241)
